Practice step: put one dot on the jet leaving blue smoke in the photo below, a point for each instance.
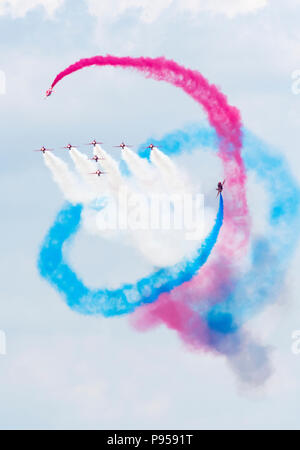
(271, 253)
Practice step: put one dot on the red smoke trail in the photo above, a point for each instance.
(214, 278)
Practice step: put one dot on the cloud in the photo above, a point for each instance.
(229, 8)
(149, 11)
(19, 8)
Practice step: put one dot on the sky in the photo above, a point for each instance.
(64, 370)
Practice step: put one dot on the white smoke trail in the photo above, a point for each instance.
(145, 241)
(139, 168)
(86, 169)
(67, 182)
(173, 178)
(118, 187)
(160, 246)
(110, 166)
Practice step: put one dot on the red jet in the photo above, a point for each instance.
(98, 173)
(49, 92)
(94, 143)
(151, 146)
(95, 158)
(220, 188)
(44, 149)
(69, 147)
(122, 146)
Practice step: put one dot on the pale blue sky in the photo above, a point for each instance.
(63, 370)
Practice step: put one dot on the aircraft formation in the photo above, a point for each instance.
(122, 146)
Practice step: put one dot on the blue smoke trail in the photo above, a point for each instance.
(127, 298)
